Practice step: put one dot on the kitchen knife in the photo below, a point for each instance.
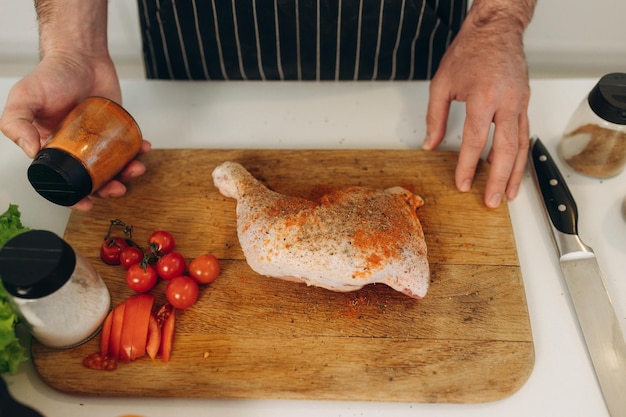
(601, 329)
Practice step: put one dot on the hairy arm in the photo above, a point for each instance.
(73, 36)
(74, 64)
(485, 67)
(515, 14)
(72, 26)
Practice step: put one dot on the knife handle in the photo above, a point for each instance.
(557, 197)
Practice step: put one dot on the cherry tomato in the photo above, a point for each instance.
(171, 265)
(111, 248)
(205, 268)
(182, 292)
(162, 241)
(141, 278)
(130, 255)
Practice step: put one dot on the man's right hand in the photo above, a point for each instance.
(39, 102)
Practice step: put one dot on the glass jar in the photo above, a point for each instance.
(91, 146)
(56, 293)
(594, 142)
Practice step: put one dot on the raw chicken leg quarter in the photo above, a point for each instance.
(350, 238)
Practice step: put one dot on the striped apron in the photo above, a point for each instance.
(297, 39)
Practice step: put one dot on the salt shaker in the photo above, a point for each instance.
(56, 293)
(594, 142)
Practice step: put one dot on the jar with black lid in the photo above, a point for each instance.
(594, 142)
(92, 145)
(56, 293)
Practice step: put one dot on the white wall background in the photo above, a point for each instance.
(570, 38)
(19, 45)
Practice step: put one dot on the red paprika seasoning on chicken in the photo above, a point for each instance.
(89, 148)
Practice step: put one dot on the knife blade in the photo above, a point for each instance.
(599, 324)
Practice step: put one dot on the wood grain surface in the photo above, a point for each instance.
(249, 336)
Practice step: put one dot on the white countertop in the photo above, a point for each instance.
(362, 116)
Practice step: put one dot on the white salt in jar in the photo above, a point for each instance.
(56, 293)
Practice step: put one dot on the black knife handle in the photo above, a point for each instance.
(557, 197)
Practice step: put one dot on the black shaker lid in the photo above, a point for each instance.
(35, 264)
(608, 98)
(59, 177)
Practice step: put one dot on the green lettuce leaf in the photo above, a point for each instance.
(11, 352)
(10, 224)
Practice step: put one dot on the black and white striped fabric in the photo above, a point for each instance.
(297, 39)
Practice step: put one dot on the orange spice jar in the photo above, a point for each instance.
(89, 148)
(594, 142)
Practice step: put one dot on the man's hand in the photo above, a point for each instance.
(485, 67)
(37, 103)
(40, 101)
(75, 64)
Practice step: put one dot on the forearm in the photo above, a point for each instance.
(70, 26)
(514, 15)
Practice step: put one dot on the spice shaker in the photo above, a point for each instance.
(594, 142)
(56, 293)
(90, 147)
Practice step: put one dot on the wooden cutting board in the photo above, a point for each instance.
(249, 336)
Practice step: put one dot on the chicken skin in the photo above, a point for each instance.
(350, 238)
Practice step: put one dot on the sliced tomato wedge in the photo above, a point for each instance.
(116, 331)
(128, 329)
(163, 313)
(135, 327)
(105, 334)
(141, 325)
(167, 336)
(132, 330)
(154, 337)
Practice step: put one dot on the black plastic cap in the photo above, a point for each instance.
(608, 98)
(59, 178)
(35, 264)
